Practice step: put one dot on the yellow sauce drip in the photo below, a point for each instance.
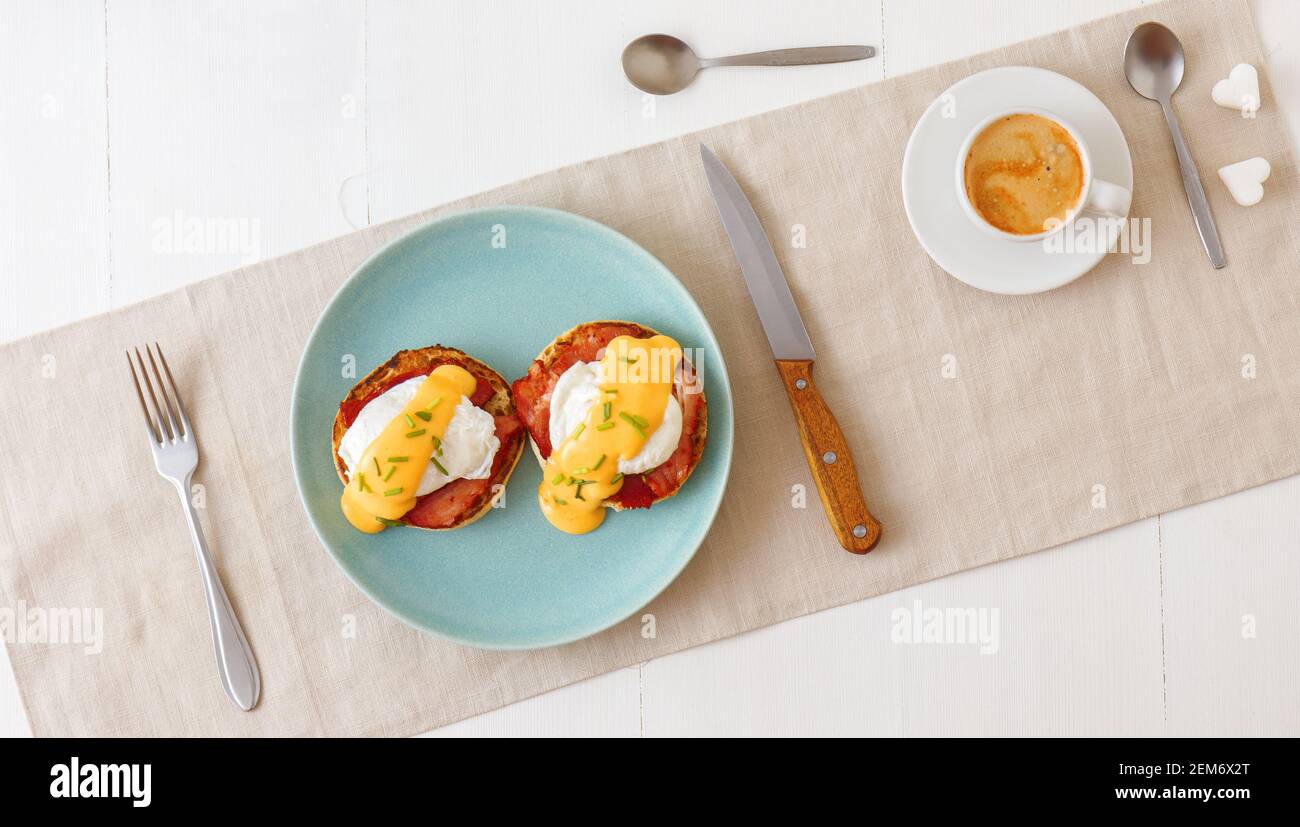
(637, 379)
(384, 489)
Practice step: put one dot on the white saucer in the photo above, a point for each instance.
(930, 194)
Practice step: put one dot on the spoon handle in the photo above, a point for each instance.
(1195, 190)
(794, 57)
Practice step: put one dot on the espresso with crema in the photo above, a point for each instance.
(1022, 171)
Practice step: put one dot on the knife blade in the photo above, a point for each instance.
(825, 447)
(763, 275)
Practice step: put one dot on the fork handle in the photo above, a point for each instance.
(235, 663)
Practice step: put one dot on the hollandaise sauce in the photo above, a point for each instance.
(384, 482)
(582, 471)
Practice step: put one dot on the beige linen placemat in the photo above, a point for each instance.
(1131, 378)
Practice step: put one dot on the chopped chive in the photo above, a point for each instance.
(605, 426)
(584, 469)
(425, 415)
(633, 421)
(641, 421)
(572, 481)
(616, 478)
(392, 492)
(599, 462)
(410, 423)
(361, 483)
(612, 391)
(389, 475)
(577, 495)
(399, 459)
(378, 470)
(559, 478)
(433, 404)
(438, 465)
(559, 501)
(416, 432)
(388, 522)
(631, 360)
(608, 406)
(437, 444)
(577, 432)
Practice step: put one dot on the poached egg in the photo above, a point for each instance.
(468, 445)
(578, 389)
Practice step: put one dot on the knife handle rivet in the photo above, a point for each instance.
(801, 383)
(859, 531)
(829, 457)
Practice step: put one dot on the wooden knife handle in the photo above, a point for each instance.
(829, 459)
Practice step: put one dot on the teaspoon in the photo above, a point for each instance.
(1153, 63)
(662, 64)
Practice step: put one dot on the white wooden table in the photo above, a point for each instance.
(122, 120)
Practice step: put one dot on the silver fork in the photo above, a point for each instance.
(176, 454)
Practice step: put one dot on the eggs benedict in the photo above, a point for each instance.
(428, 439)
(617, 417)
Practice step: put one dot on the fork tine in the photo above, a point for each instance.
(173, 418)
(180, 406)
(148, 418)
(163, 425)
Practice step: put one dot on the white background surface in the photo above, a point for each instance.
(304, 119)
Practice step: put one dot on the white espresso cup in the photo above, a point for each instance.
(1095, 196)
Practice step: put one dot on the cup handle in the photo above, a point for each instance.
(1108, 199)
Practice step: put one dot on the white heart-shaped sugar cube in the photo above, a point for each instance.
(1239, 90)
(1245, 180)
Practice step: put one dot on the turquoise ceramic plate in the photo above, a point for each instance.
(509, 580)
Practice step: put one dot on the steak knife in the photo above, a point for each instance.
(824, 445)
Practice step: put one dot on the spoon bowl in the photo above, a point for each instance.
(1153, 61)
(660, 64)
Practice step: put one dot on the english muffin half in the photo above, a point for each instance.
(586, 343)
(461, 501)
